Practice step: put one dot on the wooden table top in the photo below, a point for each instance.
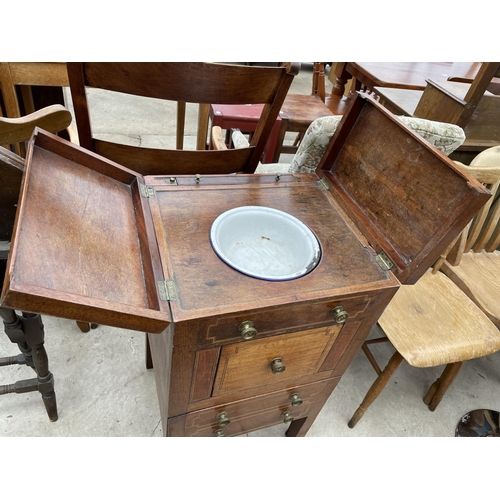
(404, 101)
(410, 75)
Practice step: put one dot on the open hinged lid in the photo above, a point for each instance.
(408, 199)
(84, 246)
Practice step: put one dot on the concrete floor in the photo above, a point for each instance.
(103, 388)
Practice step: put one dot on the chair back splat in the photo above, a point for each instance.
(473, 263)
(194, 82)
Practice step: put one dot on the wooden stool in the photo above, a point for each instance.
(245, 117)
(27, 332)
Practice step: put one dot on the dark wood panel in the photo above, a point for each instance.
(341, 344)
(204, 371)
(10, 186)
(406, 197)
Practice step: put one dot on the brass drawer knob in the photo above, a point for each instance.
(277, 365)
(339, 314)
(248, 332)
(222, 419)
(295, 399)
(219, 433)
(287, 417)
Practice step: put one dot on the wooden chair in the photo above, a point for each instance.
(300, 110)
(433, 322)
(473, 264)
(297, 113)
(200, 83)
(438, 103)
(469, 105)
(444, 136)
(15, 131)
(25, 330)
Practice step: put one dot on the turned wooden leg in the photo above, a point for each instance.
(376, 388)
(35, 338)
(338, 88)
(438, 389)
(28, 333)
(14, 330)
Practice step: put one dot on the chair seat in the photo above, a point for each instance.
(478, 275)
(302, 110)
(434, 323)
(273, 168)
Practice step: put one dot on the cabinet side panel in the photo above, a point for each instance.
(161, 346)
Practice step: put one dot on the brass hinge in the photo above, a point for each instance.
(147, 191)
(167, 290)
(383, 261)
(323, 184)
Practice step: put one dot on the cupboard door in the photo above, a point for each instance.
(273, 360)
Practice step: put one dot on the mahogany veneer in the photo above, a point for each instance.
(113, 247)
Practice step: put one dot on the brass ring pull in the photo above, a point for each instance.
(248, 332)
(219, 433)
(287, 417)
(340, 315)
(277, 365)
(295, 399)
(222, 419)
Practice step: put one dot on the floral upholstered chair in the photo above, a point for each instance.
(444, 136)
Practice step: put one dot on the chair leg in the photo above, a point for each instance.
(438, 389)
(181, 122)
(149, 358)
(376, 388)
(85, 327)
(203, 116)
(27, 332)
(35, 337)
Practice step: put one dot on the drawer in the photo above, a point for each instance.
(273, 361)
(251, 414)
(281, 319)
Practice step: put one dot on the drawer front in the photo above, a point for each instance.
(277, 320)
(273, 360)
(252, 414)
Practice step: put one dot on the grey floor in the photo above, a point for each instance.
(103, 388)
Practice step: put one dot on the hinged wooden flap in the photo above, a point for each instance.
(84, 245)
(407, 198)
